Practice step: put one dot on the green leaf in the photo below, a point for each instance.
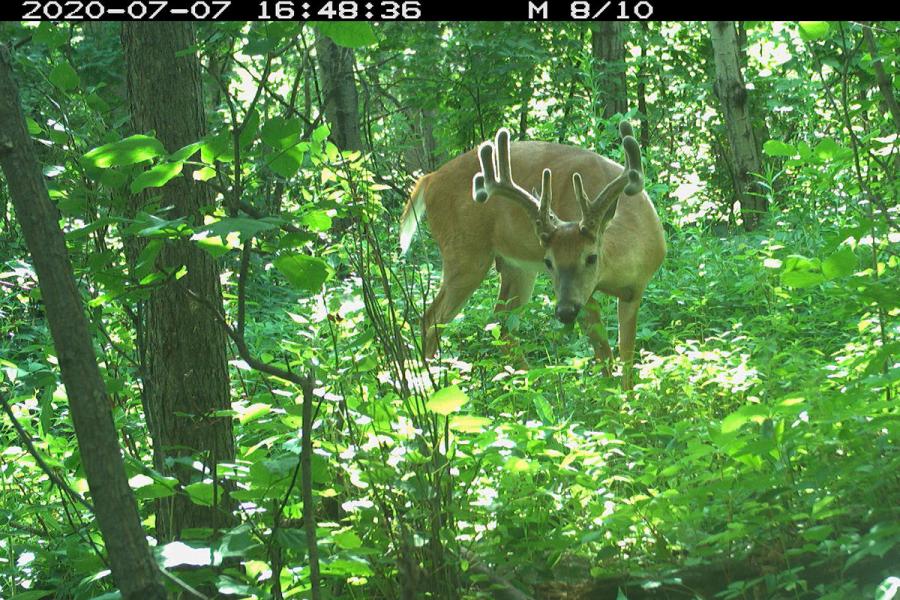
(251, 126)
(246, 226)
(64, 77)
(50, 35)
(217, 147)
(814, 30)
(447, 400)
(828, 150)
(839, 264)
(750, 412)
(201, 493)
(347, 540)
(317, 220)
(156, 176)
(469, 423)
(295, 539)
(186, 152)
(778, 148)
(129, 151)
(802, 272)
(281, 133)
(33, 595)
(287, 162)
(352, 34)
(254, 412)
(306, 273)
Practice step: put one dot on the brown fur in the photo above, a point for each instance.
(471, 236)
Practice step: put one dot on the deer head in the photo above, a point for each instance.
(572, 249)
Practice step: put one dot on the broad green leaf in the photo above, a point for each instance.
(320, 133)
(516, 464)
(34, 595)
(156, 176)
(295, 539)
(244, 225)
(347, 540)
(814, 30)
(317, 220)
(447, 400)
(129, 151)
(50, 35)
(304, 272)
(778, 148)
(64, 77)
(350, 34)
(469, 423)
(185, 153)
(828, 150)
(281, 133)
(204, 174)
(802, 272)
(287, 162)
(251, 126)
(201, 493)
(254, 412)
(839, 264)
(750, 412)
(342, 567)
(217, 147)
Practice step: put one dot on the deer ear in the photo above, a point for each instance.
(608, 215)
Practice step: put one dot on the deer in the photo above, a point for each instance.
(479, 215)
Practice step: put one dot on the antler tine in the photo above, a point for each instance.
(630, 181)
(496, 178)
(583, 202)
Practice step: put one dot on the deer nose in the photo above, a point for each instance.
(566, 312)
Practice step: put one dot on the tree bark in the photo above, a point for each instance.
(608, 50)
(642, 99)
(133, 567)
(185, 346)
(884, 82)
(340, 99)
(732, 94)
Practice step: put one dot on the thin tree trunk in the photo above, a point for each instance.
(133, 566)
(186, 347)
(608, 50)
(732, 94)
(884, 82)
(642, 101)
(340, 99)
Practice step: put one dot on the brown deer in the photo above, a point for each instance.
(612, 242)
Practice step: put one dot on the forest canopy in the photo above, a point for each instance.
(220, 376)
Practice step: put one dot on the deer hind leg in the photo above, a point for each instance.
(628, 311)
(457, 284)
(592, 321)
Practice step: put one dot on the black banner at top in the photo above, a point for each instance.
(446, 10)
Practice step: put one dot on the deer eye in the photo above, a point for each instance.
(591, 259)
(549, 263)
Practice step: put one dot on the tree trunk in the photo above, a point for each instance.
(340, 99)
(732, 95)
(185, 346)
(133, 567)
(608, 50)
(642, 100)
(884, 81)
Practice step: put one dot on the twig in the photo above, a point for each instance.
(26, 439)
